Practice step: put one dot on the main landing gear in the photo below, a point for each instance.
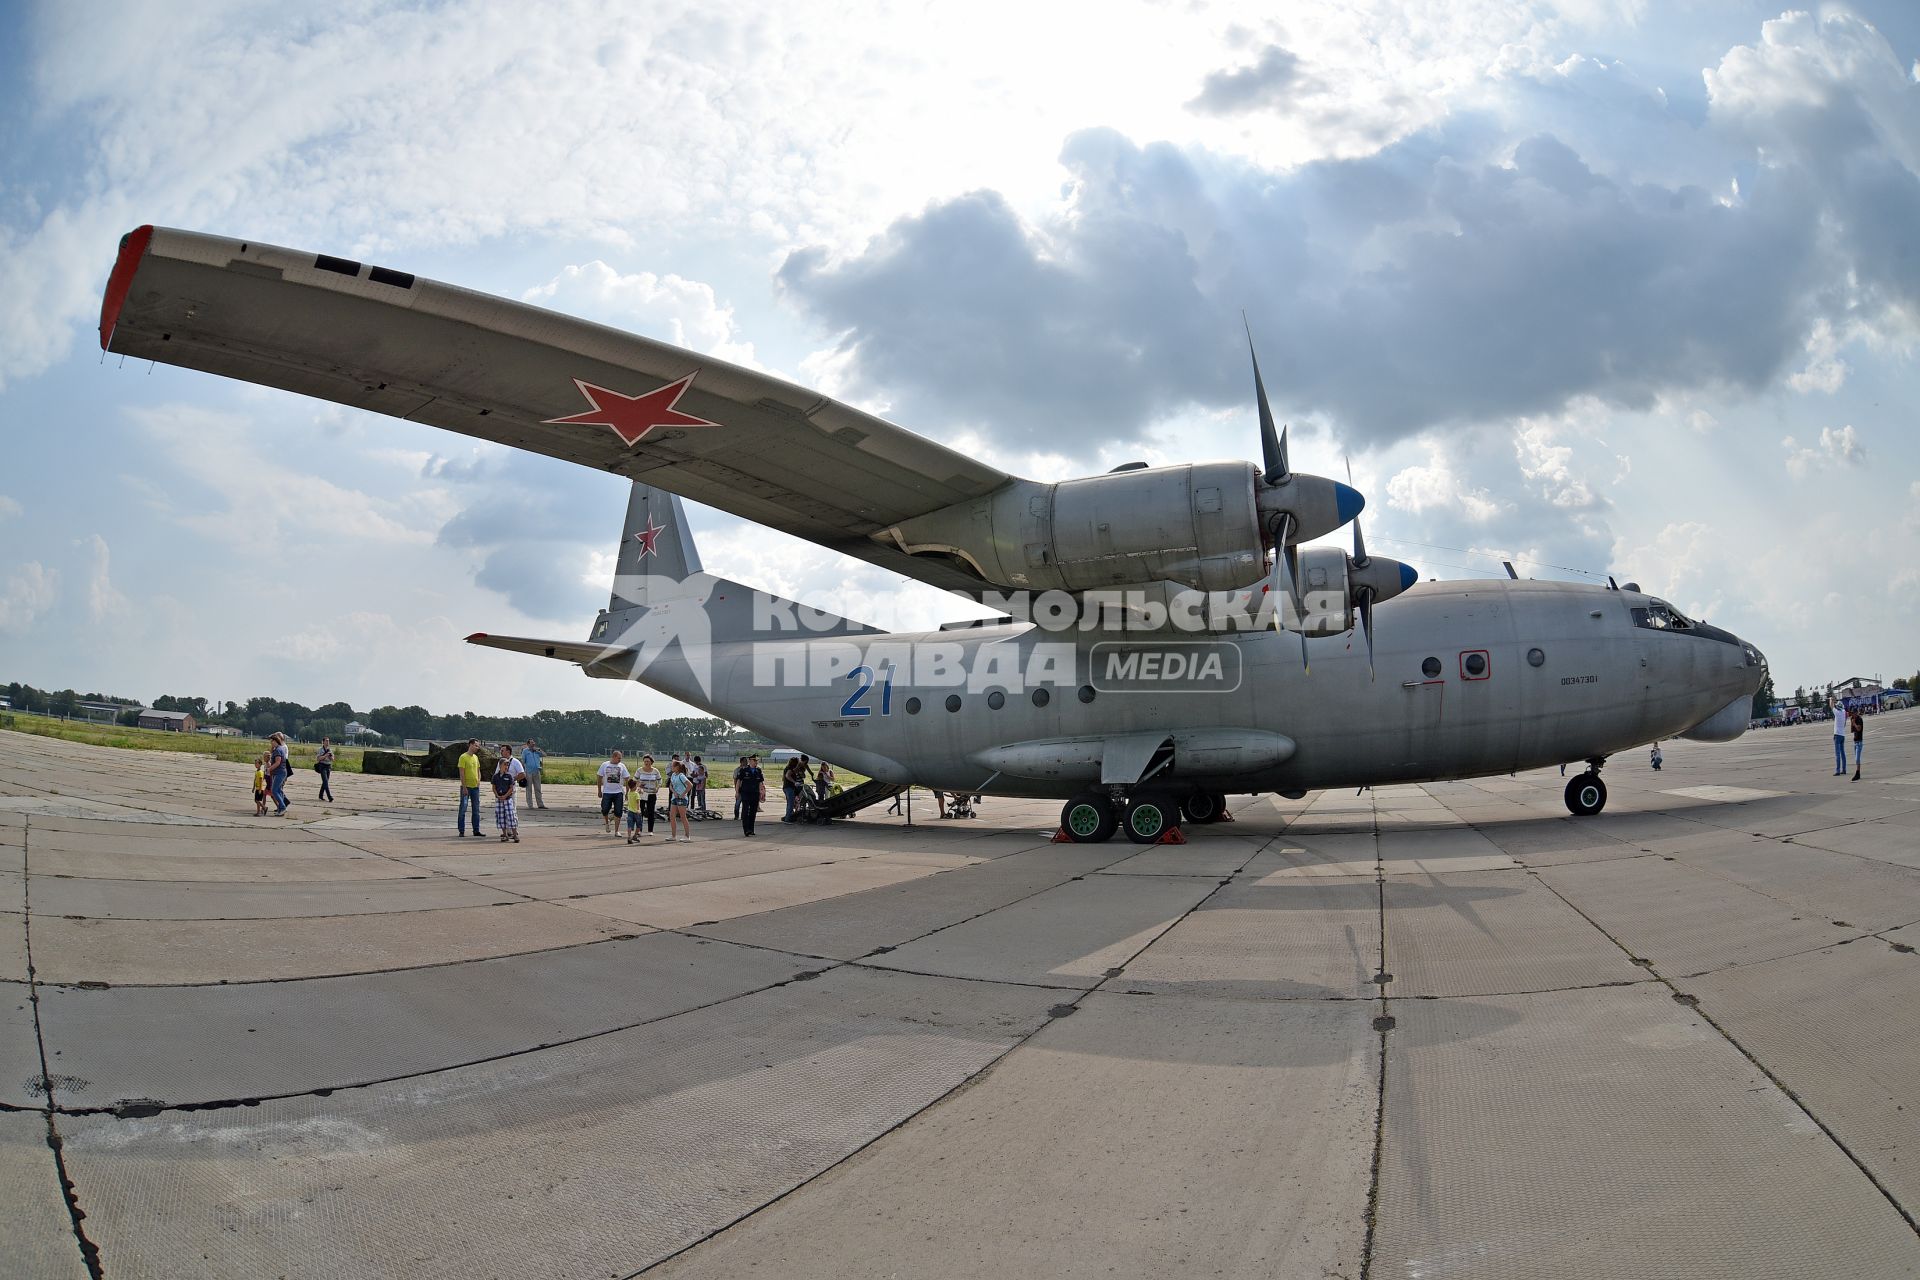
(1149, 815)
(1586, 794)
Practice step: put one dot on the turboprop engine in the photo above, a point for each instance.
(1204, 525)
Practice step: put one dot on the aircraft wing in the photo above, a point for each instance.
(379, 339)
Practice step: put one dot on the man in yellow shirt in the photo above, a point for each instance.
(470, 785)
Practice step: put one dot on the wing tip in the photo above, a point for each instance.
(133, 247)
(477, 637)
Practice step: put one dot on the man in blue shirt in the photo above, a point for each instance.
(531, 758)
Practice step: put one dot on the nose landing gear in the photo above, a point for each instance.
(1586, 795)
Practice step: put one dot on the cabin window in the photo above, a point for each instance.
(913, 706)
(953, 702)
(1536, 657)
(1473, 664)
(1086, 693)
(1041, 697)
(1430, 668)
(996, 700)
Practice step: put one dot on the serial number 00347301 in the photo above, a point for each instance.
(1579, 679)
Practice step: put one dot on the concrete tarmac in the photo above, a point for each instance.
(1420, 1032)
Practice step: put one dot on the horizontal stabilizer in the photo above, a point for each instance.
(583, 652)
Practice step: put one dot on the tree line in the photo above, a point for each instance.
(564, 732)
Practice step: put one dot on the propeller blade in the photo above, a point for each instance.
(1273, 447)
(1360, 544)
(1286, 572)
(1286, 568)
(1364, 598)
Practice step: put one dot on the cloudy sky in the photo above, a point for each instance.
(1600, 285)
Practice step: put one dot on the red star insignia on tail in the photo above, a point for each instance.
(632, 417)
(648, 536)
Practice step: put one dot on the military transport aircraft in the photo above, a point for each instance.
(1167, 641)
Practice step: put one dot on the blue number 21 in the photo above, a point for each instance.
(864, 674)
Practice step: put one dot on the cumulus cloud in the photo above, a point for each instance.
(30, 592)
(1453, 277)
(105, 602)
(1436, 487)
(240, 493)
(9, 508)
(519, 524)
(1837, 447)
(1272, 80)
(670, 307)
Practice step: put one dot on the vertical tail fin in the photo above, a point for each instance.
(655, 542)
(658, 572)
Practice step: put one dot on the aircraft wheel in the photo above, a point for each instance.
(1586, 795)
(1202, 807)
(1148, 817)
(1089, 819)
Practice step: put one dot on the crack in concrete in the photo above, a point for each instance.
(1693, 1003)
(89, 1251)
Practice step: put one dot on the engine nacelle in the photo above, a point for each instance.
(1200, 524)
(1332, 585)
(1194, 524)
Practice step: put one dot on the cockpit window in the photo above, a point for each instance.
(1661, 616)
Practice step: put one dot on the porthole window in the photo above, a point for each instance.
(1474, 664)
(1430, 668)
(1041, 697)
(996, 700)
(1536, 657)
(913, 706)
(953, 702)
(1086, 693)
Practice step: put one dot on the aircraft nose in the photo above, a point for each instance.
(1347, 500)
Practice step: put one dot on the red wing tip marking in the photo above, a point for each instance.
(476, 636)
(133, 247)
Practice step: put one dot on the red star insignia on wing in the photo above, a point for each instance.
(632, 417)
(648, 536)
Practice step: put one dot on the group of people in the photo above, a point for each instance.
(635, 795)
(508, 776)
(799, 783)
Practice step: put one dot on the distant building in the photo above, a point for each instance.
(1856, 692)
(101, 712)
(219, 731)
(357, 730)
(175, 721)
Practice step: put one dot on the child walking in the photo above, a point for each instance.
(259, 786)
(633, 809)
